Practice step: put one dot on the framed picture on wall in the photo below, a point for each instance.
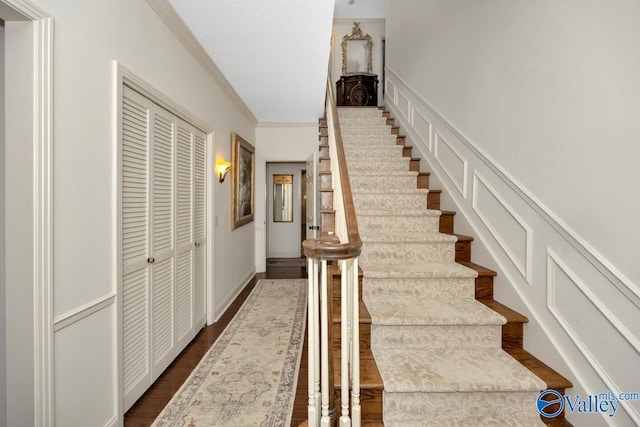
(242, 181)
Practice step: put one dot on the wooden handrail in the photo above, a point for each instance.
(328, 247)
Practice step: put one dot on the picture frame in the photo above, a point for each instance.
(242, 181)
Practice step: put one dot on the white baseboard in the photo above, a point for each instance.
(223, 305)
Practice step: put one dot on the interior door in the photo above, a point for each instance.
(313, 197)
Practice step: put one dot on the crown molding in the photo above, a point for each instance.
(177, 26)
(287, 124)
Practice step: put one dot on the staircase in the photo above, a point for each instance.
(435, 347)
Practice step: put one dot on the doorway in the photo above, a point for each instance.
(284, 232)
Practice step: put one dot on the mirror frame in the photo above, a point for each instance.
(280, 179)
(356, 34)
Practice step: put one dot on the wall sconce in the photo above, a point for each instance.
(222, 168)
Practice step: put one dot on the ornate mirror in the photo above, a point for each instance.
(282, 198)
(356, 52)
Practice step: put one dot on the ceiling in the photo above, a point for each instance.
(274, 53)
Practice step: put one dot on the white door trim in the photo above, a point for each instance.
(42, 214)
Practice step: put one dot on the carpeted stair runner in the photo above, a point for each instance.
(437, 348)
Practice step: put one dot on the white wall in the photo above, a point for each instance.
(526, 79)
(88, 37)
(284, 238)
(277, 142)
(526, 114)
(18, 219)
(3, 379)
(343, 27)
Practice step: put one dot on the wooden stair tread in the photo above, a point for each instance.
(422, 173)
(462, 237)
(326, 190)
(553, 379)
(369, 375)
(511, 315)
(364, 316)
(482, 271)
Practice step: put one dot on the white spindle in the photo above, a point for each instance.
(355, 338)
(313, 409)
(325, 349)
(344, 346)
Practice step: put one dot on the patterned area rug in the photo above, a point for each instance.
(248, 377)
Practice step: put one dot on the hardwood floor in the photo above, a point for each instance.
(147, 408)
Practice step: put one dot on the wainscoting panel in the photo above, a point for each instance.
(451, 162)
(583, 312)
(423, 127)
(577, 308)
(512, 232)
(85, 366)
(403, 105)
(390, 90)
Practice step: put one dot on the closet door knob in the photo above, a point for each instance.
(196, 244)
(151, 260)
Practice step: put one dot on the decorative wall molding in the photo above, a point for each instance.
(578, 289)
(452, 162)
(422, 127)
(403, 104)
(286, 124)
(80, 313)
(507, 217)
(170, 17)
(533, 249)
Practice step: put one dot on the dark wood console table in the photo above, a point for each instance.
(357, 90)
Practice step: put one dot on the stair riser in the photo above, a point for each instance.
(445, 337)
(356, 121)
(463, 409)
(364, 331)
(387, 165)
(381, 184)
(418, 289)
(398, 224)
(370, 141)
(366, 131)
(389, 201)
(407, 252)
(346, 113)
(375, 153)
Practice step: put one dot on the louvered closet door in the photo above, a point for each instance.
(136, 328)
(199, 228)
(163, 244)
(162, 254)
(184, 226)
